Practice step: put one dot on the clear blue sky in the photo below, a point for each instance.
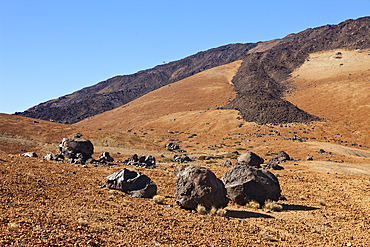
(49, 48)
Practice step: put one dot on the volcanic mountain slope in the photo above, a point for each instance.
(119, 90)
(190, 106)
(257, 83)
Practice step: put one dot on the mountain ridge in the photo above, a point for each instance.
(258, 82)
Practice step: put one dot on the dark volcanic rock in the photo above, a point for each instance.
(70, 147)
(132, 182)
(258, 82)
(198, 185)
(245, 183)
(105, 157)
(283, 156)
(250, 159)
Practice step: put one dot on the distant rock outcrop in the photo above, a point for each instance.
(198, 185)
(142, 161)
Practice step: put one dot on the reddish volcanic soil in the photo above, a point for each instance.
(327, 200)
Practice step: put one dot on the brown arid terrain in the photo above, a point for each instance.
(327, 202)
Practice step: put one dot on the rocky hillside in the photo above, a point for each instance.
(120, 90)
(260, 83)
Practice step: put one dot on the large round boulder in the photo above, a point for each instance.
(132, 182)
(245, 183)
(69, 147)
(250, 159)
(198, 185)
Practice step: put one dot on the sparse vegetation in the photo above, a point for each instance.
(213, 211)
(166, 159)
(13, 226)
(232, 156)
(211, 161)
(201, 209)
(253, 204)
(272, 205)
(239, 148)
(321, 202)
(192, 135)
(221, 212)
(159, 199)
(271, 153)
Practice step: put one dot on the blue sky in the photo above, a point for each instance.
(49, 48)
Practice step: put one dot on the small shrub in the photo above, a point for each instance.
(201, 210)
(250, 146)
(13, 226)
(321, 202)
(253, 204)
(267, 237)
(159, 199)
(202, 157)
(272, 205)
(82, 222)
(221, 212)
(213, 211)
(192, 135)
(167, 159)
(232, 156)
(271, 153)
(238, 148)
(211, 161)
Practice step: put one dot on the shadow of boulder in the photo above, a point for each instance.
(245, 214)
(293, 207)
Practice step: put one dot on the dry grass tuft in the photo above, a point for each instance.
(13, 226)
(267, 237)
(253, 204)
(201, 209)
(159, 199)
(273, 206)
(82, 222)
(321, 202)
(221, 212)
(213, 211)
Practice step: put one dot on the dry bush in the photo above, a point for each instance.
(221, 212)
(213, 211)
(13, 226)
(321, 202)
(201, 209)
(267, 237)
(159, 199)
(253, 204)
(82, 222)
(273, 206)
